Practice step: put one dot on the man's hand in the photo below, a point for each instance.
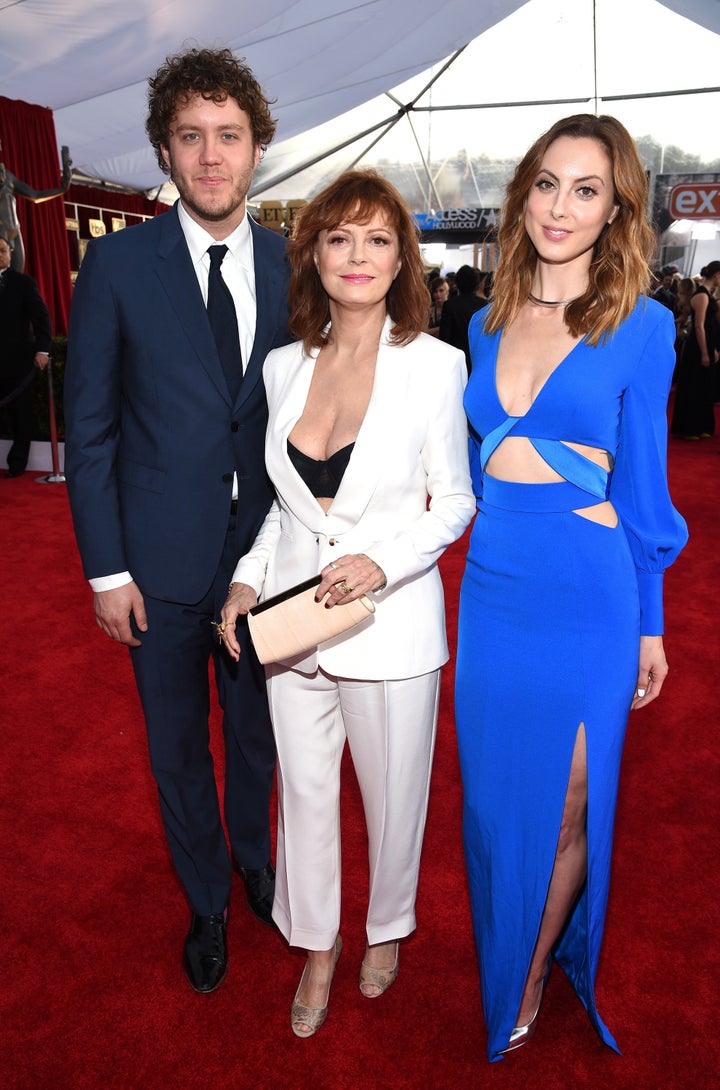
(113, 609)
(41, 360)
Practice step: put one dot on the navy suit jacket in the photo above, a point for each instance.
(152, 436)
(24, 327)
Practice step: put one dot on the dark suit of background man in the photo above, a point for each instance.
(166, 474)
(459, 309)
(25, 337)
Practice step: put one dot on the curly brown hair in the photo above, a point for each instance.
(355, 197)
(620, 269)
(215, 74)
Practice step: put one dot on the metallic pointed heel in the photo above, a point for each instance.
(522, 1034)
(378, 978)
(312, 1018)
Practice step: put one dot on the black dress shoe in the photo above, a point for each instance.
(15, 473)
(259, 890)
(205, 955)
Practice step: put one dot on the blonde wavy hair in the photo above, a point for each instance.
(620, 268)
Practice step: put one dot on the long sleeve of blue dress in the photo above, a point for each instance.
(656, 532)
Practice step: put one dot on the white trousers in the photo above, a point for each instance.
(390, 727)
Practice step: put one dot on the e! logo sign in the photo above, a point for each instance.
(695, 201)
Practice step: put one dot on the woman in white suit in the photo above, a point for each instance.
(366, 425)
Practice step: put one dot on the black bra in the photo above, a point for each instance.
(322, 478)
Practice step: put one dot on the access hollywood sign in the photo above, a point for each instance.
(457, 219)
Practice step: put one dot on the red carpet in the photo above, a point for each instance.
(93, 921)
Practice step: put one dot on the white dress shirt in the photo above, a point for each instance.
(238, 272)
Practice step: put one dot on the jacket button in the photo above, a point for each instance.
(332, 541)
(234, 426)
(227, 478)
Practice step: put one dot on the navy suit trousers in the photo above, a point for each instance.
(171, 671)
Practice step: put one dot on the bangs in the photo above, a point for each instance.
(359, 207)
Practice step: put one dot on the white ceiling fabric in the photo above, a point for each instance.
(88, 60)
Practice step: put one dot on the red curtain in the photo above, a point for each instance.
(29, 151)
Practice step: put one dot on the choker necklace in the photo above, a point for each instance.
(550, 302)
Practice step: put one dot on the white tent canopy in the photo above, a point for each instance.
(88, 60)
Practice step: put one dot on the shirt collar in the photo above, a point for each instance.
(239, 243)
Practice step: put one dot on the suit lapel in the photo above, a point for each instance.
(365, 467)
(269, 288)
(177, 275)
(176, 272)
(290, 398)
(387, 401)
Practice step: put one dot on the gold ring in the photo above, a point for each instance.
(346, 588)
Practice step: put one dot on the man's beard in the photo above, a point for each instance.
(208, 209)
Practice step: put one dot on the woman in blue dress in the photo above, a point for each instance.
(561, 602)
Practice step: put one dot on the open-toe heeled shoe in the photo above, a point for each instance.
(305, 1021)
(378, 978)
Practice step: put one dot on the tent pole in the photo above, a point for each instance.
(390, 122)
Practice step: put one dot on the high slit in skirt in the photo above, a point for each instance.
(548, 640)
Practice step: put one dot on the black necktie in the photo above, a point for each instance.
(223, 321)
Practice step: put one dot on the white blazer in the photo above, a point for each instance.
(412, 444)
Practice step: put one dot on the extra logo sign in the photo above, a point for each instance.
(695, 201)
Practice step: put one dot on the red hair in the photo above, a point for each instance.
(355, 197)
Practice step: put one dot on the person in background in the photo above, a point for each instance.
(439, 294)
(561, 602)
(684, 290)
(25, 339)
(459, 309)
(487, 285)
(367, 449)
(694, 413)
(165, 414)
(664, 292)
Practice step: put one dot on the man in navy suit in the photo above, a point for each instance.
(166, 476)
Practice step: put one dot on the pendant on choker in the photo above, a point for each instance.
(550, 302)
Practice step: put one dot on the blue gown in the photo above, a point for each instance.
(552, 606)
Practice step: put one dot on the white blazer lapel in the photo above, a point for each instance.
(287, 402)
(366, 466)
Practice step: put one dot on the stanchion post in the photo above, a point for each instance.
(56, 477)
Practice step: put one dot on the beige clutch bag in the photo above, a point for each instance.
(292, 622)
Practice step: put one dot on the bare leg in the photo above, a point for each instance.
(567, 877)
